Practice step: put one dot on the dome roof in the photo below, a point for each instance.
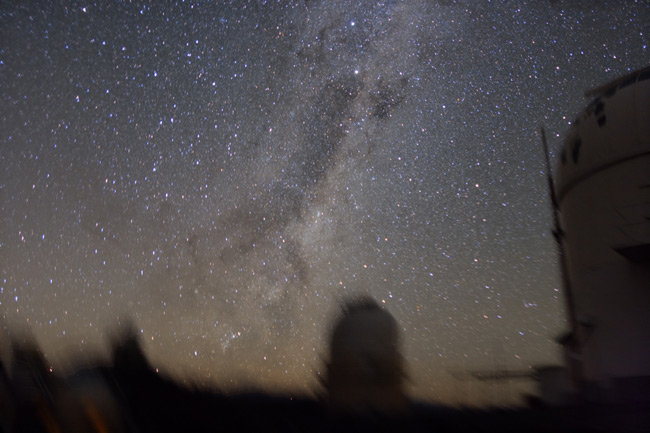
(613, 128)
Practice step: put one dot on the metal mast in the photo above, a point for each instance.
(558, 234)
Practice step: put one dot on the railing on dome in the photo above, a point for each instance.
(631, 78)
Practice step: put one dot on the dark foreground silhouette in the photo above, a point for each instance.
(362, 393)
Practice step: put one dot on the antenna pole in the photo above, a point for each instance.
(558, 234)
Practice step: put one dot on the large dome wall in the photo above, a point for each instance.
(604, 199)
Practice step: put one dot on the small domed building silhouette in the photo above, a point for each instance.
(365, 371)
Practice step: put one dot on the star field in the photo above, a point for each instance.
(225, 174)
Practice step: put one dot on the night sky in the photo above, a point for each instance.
(224, 176)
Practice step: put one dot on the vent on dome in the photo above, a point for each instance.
(635, 253)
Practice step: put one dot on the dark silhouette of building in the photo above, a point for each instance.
(365, 370)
